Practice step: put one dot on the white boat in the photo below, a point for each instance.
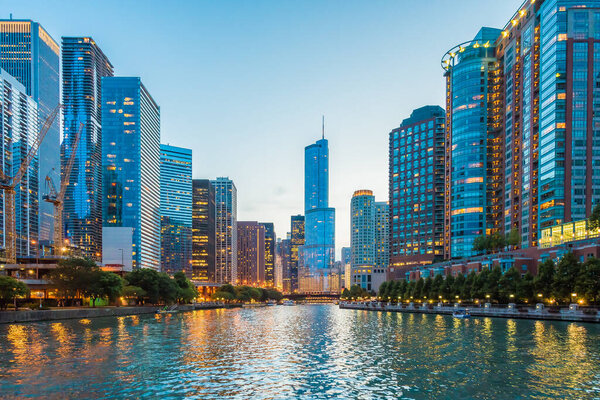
(289, 303)
(461, 314)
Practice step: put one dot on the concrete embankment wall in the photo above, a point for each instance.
(520, 313)
(7, 317)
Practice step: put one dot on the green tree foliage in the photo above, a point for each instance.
(101, 284)
(345, 294)
(544, 279)
(358, 292)
(526, 288)
(134, 292)
(186, 290)
(71, 277)
(594, 219)
(508, 285)
(565, 277)
(513, 238)
(10, 288)
(588, 282)
(159, 287)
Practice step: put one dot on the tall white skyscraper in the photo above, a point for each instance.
(225, 230)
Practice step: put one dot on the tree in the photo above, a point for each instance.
(168, 289)
(274, 294)
(465, 293)
(526, 288)
(565, 277)
(223, 295)
(508, 284)
(426, 292)
(588, 282)
(544, 279)
(345, 294)
(147, 279)
(11, 288)
(458, 285)
(513, 238)
(134, 292)
(492, 283)
(187, 291)
(101, 284)
(478, 290)
(436, 286)
(447, 288)
(71, 276)
(481, 244)
(358, 292)
(497, 242)
(594, 219)
(383, 289)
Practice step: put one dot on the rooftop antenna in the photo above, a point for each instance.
(323, 127)
(11, 16)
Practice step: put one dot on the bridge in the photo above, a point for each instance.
(313, 297)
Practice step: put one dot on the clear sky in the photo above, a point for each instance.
(244, 83)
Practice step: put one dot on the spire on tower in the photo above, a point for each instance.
(323, 127)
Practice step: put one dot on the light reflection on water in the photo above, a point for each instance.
(307, 352)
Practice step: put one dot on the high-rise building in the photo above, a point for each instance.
(296, 241)
(416, 190)
(368, 240)
(225, 230)
(31, 56)
(83, 67)
(318, 252)
(270, 241)
(131, 165)
(346, 255)
(18, 130)
(176, 209)
(533, 164)
(250, 253)
(283, 262)
(203, 231)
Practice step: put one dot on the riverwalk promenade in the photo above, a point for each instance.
(7, 317)
(540, 311)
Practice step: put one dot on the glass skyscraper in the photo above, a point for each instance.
(225, 231)
(317, 255)
(176, 209)
(416, 190)
(83, 67)
(203, 231)
(131, 165)
(270, 241)
(31, 56)
(19, 128)
(296, 241)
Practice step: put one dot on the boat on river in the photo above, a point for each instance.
(168, 310)
(461, 314)
(289, 303)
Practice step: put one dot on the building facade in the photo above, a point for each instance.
(537, 82)
(382, 234)
(251, 253)
(270, 243)
(203, 231)
(225, 230)
(31, 56)
(296, 242)
(416, 190)
(176, 209)
(19, 129)
(83, 67)
(131, 165)
(317, 255)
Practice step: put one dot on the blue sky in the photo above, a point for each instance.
(244, 83)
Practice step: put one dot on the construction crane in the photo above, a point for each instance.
(8, 184)
(57, 198)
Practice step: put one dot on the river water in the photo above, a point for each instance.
(305, 352)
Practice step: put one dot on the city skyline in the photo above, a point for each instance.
(292, 111)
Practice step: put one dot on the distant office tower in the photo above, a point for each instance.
(296, 241)
(416, 190)
(284, 261)
(250, 253)
(382, 234)
(131, 164)
(203, 231)
(368, 240)
(346, 255)
(31, 56)
(19, 128)
(318, 251)
(536, 103)
(270, 241)
(225, 231)
(83, 67)
(176, 209)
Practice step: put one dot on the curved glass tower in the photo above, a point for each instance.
(474, 145)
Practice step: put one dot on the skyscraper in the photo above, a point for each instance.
(318, 252)
(203, 231)
(18, 130)
(416, 190)
(225, 230)
(296, 241)
(474, 144)
(83, 67)
(536, 136)
(176, 209)
(270, 241)
(131, 154)
(368, 240)
(251, 253)
(282, 261)
(31, 56)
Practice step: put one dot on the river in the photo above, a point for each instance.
(305, 352)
